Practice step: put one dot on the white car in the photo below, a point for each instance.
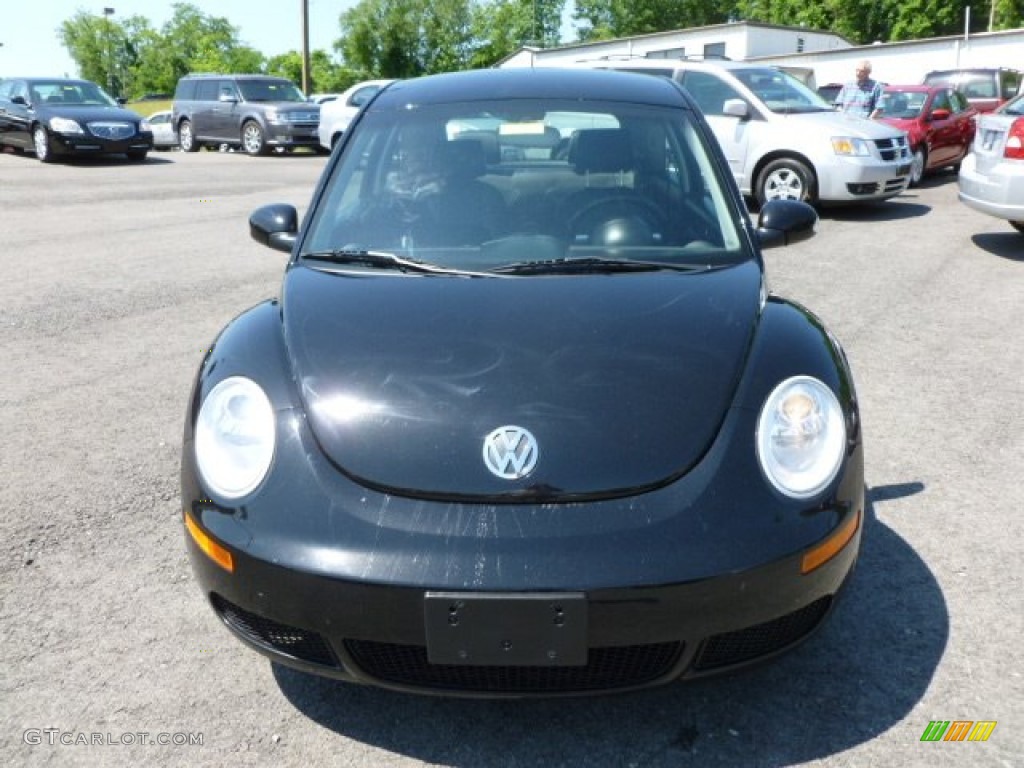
(782, 140)
(164, 135)
(992, 175)
(335, 115)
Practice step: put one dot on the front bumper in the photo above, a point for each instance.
(634, 638)
(999, 193)
(87, 144)
(293, 135)
(852, 179)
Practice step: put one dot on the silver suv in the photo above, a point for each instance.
(255, 112)
(782, 140)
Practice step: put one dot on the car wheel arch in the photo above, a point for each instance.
(790, 156)
(47, 156)
(244, 128)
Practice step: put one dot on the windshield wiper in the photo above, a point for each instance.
(595, 266)
(385, 260)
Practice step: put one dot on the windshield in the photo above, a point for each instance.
(904, 105)
(780, 91)
(270, 90)
(62, 92)
(486, 186)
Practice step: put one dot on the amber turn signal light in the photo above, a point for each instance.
(213, 550)
(831, 546)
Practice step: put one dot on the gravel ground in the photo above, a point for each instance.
(115, 277)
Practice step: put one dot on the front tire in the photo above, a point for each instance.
(917, 166)
(187, 139)
(253, 141)
(785, 179)
(41, 142)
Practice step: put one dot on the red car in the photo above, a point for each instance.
(939, 121)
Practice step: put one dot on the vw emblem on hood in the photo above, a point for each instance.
(510, 452)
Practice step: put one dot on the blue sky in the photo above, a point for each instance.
(30, 44)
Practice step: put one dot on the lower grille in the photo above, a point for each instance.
(291, 641)
(743, 645)
(606, 669)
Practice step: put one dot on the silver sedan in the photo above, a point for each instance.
(992, 175)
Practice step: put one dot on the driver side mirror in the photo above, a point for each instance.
(275, 226)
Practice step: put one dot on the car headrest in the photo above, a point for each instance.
(464, 159)
(603, 150)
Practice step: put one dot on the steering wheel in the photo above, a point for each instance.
(622, 220)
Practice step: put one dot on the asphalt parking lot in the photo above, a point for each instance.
(115, 278)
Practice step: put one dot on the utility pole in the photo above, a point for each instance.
(107, 13)
(305, 47)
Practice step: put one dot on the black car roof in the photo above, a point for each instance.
(548, 82)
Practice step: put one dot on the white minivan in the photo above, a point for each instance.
(782, 140)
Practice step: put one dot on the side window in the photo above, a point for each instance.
(226, 91)
(5, 89)
(710, 92)
(206, 90)
(957, 100)
(942, 101)
(1010, 84)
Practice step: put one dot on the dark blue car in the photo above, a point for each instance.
(525, 419)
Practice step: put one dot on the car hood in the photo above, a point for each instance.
(622, 379)
(842, 124)
(88, 114)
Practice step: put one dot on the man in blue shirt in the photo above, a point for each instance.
(862, 96)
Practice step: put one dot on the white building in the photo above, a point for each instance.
(829, 57)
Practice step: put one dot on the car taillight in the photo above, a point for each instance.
(1015, 140)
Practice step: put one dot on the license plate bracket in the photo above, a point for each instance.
(475, 629)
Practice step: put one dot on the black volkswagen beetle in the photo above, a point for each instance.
(525, 419)
(56, 117)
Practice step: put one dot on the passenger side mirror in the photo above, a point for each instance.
(784, 222)
(19, 100)
(940, 114)
(275, 226)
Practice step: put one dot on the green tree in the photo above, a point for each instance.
(501, 27)
(605, 19)
(96, 43)
(406, 38)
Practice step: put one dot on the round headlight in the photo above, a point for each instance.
(234, 437)
(801, 437)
